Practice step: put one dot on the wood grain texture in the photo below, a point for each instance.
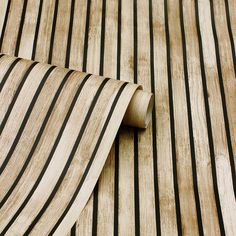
(178, 176)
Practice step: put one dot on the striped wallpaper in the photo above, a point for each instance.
(177, 177)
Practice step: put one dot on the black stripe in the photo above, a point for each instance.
(71, 157)
(5, 23)
(37, 140)
(172, 123)
(4, 79)
(135, 41)
(2, 55)
(116, 174)
(190, 122)
(209, 128)
(223, 100)
(102, 43)
(69, 37)
(116, 188)
(154, 141)
(230, 34)
(102, 46)
(73, 230)
(95, 210)
(50, 155)
(136, 184)
(21, 28)
(8, 112)
(118, 40)
(53, 32)
(37, 30)
(25, 120)
(87, 169)
(86, 34)
(136, 166)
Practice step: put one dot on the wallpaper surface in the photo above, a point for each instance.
(178, 175)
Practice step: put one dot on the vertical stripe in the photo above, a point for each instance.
(102, 43)
(209, 127)
(37, 30)
(223, 100)
(154, 141)
(53, 32)
(86, 34)
(118, 40)
(116, 175)
(5, 24)
(190, 123)
(21, 28)
(68, 49)
(136, 184)
(136, 173)
(116, 188)
(172, 123)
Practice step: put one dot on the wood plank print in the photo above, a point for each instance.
(177, 176)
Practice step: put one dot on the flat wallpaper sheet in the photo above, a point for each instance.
(177, 177)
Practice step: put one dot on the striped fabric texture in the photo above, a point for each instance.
(177, 177)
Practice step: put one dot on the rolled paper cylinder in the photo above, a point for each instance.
(139, 111)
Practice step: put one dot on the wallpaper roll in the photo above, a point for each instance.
(57, 128)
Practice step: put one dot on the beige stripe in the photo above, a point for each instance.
(29, 28)
(45, 29)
